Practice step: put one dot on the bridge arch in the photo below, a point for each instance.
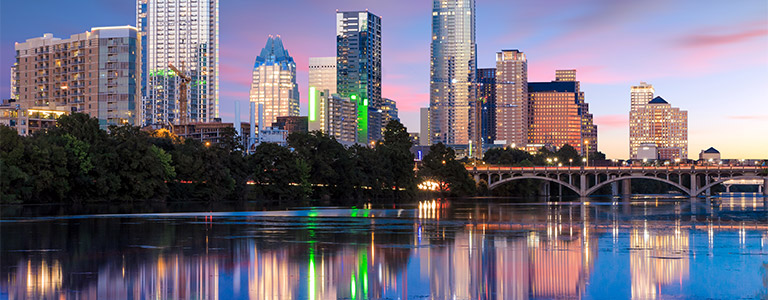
(604, 183)
(503, 181)
(714, 183)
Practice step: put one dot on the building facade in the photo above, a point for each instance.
(95, 72)
(292, 124)
(184, 33)
(322, 73)
(274, 82)
(658, 123)
(358, 63)
(640, 95)
(333, 115)
(424, 136)
(486, 93)
(388, 112)
(512, 97)
(559, 115)
(453, 65)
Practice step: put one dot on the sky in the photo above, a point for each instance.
(705, 56)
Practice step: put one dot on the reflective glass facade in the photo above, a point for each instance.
(452, 72)
(358, 54)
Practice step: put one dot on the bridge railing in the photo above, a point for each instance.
(685, 168)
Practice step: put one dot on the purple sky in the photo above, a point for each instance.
(707, 57)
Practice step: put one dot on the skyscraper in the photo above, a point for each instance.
(388, 112)
(640, 95)
(662, 125)
(452, 90)
(184, 33)
(274, 82)
(358, 62)
(486, 93)
(559, 115)
(424, 136)
(96, 73)
(512, 97)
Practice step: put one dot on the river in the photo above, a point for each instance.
(641, 248)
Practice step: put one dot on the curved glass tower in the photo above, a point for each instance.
(274, 82)
(452, 85)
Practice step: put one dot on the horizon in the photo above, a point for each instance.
(708, 59)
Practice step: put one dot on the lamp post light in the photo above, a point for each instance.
(570, 162)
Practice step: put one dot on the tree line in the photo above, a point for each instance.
(77, 162)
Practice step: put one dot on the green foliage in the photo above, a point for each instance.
(78, 162)
(441, 166)
(506, 156)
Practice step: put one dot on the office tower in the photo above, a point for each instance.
(388, 112)
(184, 33)
(291, 124)
(453, 66)
(486, 93)
(358, 62)
(424, 136)
(559, 115)
(322, 73)
(641, 94)
(658, 123)
(333, 115)
(512, 98)
(274, 82)
(95, 72)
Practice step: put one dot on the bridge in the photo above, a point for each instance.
(584, 181)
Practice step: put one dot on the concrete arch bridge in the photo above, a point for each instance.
(584, 181)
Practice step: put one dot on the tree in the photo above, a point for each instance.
(279, 173)
(441, 166)
(567, 153)
(506, 156)
(395, 152)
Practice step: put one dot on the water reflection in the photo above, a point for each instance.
(440, 250)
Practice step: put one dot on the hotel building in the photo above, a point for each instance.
(559, 115)
(184, 33)
(274, 82)
(358, 62)
(511, 98)
(453, 65)
(95, 72)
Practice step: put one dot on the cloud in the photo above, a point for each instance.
(610, 122)
(749, 117)
(707, 40)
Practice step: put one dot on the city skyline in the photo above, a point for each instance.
(677, 48)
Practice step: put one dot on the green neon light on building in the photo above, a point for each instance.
(352, 287)
(312, 104)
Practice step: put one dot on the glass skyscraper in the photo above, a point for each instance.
(274, 82)
(358, 57)
(184, 33)
(452, 83)
(486, 93)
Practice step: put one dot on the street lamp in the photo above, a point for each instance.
(570, 162)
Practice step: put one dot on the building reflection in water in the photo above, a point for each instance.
(492, 252)
(658, 258)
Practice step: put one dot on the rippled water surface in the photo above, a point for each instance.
(644, 248)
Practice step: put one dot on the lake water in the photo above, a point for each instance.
(644, 248)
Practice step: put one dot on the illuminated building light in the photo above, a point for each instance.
(312, 104)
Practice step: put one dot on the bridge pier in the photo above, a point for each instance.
(614, 187)
(708, 192)
(626, 187)
(583, 185)
(544, 189)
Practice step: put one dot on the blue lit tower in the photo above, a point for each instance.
(274, 82)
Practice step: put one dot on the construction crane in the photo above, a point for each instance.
(182, 92)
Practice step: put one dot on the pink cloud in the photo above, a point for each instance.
(612, 121)
(705, 40)
(749, 117)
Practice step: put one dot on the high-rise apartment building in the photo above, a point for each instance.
(334, 115)
(453, 65)
(322, 73)
(358, 63)
(95, 72)
(641, 95)
(659, 124)
(486, 93)
(512, 97)
(388, 112)
(184, 33)
(274, 82)
(559, 115)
